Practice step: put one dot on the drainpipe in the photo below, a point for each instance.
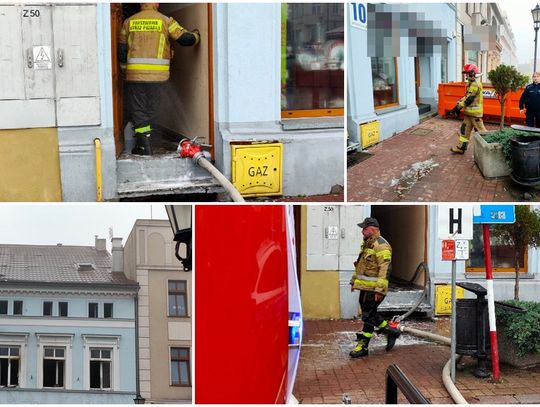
(137, 374)
(99, 177)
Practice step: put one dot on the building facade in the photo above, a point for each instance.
(394, 73)
(290, 93)
(164, 311)
(331, 239)
(67, 326)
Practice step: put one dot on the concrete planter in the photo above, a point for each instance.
(489, 157)
(508, 353)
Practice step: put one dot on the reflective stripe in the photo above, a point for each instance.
(150, 61)
(383, 324)
(145, 25)
(144, 129)
(463, 139)
(367, 278)
(369, 251)
(364, 282)
(147, 67)
(473, 109)
(385, 254)
(174, 26)
(161, 46)
(366, 334)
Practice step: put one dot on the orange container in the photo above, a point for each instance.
(450, 93)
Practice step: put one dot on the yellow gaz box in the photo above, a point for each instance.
(370, 133)
(257, 168)
(443, 298)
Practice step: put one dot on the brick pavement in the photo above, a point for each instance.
(326, 372)
(448, 178)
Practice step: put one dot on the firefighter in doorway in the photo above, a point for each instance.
(473, 105)
(372, 271)
(145, 53)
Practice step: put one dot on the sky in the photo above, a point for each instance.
(71, 224)
(519, 14)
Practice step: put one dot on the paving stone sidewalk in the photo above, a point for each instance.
(326, 372)
(417, 165)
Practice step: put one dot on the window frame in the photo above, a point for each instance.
(97, 310)
(185, 299)
(52, 308)
(60, 311)
(22, 307)
(112, 310)
(56, 359)
(310, 113)
(55, 341)
(6, 303)
(188, 361)
(21, 341)
(393, 104)
(9, 359)
(109, 342)
(101, 361)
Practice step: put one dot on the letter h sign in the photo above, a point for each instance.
(455, 222)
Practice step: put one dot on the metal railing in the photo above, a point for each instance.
(396, 379)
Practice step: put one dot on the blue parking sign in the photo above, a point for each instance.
(494, 214)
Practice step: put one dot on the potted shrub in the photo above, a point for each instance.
(492, 150)
(519, 334)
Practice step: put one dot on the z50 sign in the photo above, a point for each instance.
(359, 15)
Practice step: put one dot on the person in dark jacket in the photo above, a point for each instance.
(530, 102)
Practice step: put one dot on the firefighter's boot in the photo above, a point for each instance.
(392, 332)
(361, 348)
(459, 149)
(143, 145)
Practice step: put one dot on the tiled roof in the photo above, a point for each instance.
(57, 264)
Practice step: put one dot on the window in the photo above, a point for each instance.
(385, 84)
(17, 307)
(100, 368)
(47, 308)
(312, 60)
(93, 310)
(177, 299)
(502, 256)
(180, 372)
(53, 367)
(63, 309)
(108, 310)
(3, 307)
(9, 366)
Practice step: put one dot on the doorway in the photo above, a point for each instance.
(405, 228)
(186, 107)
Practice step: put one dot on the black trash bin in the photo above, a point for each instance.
(472, 328)
(525, 156)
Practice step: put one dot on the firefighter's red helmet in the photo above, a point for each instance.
(468, 68)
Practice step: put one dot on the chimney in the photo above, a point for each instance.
(101, 244)
(117, 255)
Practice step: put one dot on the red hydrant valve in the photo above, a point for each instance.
(188, 148)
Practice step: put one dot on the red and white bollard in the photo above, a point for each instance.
(491, 305)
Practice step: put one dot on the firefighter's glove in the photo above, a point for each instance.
(453, 113)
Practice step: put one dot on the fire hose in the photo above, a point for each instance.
(189, 149)
(396, 324)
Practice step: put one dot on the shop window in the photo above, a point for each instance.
(63, 309)
(17, 307)
(312, 59)
(47, 308)
(93, 310)
(444, 69)
(385, 82)
(100, 369)
(502, 255)
(54, 360)
(180, 372)
(177, 299)
(3, 307)
(108, 310)
(9, 366)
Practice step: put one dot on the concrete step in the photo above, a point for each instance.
(140, 176)
(401, 300)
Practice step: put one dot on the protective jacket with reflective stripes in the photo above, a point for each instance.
(373, 266)
(473, 101)
(147, 35)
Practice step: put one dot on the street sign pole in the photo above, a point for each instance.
(491, 305)
(454, 323)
